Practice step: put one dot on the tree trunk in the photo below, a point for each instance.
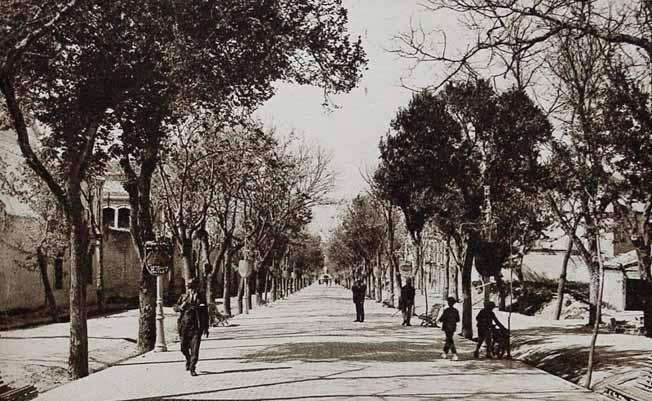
(266, 289)
(424, 285)
(228, 274)
(379, 279)
(78, 355)
(594, 289)
(392, 272)
(241, 291)
(248, 282)
(141, 228)
(500, 284)
(447, 262)
(596, 323)
(274, 289)
(101, 302)
(186, 255)
(562, 279)
(50, 302)
(486, 288)
(467, 301)
(258, 285)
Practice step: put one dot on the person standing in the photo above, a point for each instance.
(448, 320)
(359, 290)
(192, 323)
(485, 321)
(406, 301)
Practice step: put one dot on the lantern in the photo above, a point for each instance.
(158, 256)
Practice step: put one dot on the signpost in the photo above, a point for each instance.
(245, 267)
(158, 259)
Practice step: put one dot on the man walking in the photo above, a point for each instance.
(359, 290)
(406, 301)
(192, 323)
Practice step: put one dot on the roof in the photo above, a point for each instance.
(626, 259)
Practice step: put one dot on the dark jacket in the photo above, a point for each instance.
(194, 312)
(485, 320)
(407, 297)
(359, 292)
(449, 319)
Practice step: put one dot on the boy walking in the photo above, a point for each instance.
(448, 320)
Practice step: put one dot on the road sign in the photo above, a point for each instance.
(158, 256)
(405, 269)
(244, 268)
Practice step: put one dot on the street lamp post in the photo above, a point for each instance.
(160, 345)
(158, 258)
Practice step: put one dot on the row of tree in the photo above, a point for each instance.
(119, 80)
(566, 144)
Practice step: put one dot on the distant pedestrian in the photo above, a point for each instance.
(192, 323)
(485, 321)
(448, 320)
(359, 290)
(406, 302)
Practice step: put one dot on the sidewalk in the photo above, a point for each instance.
(308, 347)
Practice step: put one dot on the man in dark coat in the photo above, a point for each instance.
(359, 290)
(406, 302)
(192, 323)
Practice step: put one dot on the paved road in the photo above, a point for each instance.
(308, 348)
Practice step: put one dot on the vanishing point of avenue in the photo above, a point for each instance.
(325, 200)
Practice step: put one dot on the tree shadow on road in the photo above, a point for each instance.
(543, 347)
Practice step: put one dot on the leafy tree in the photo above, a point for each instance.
(165, 56)
(251, 45)
(423, 133)
(457, 143)
(627, 117)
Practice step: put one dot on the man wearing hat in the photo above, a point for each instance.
(485, 320)
(192, 323)
(406, 301)
(359, 290)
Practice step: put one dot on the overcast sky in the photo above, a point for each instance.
(352, 131)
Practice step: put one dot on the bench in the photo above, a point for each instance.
(24, 393)
(216, 318)
(430, 319)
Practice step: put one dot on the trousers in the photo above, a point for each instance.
(190, 342)
(359, 311)
(449, 345)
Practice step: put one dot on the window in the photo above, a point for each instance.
(123, 218)
(108, 217)
(634, 294)
(58, 273)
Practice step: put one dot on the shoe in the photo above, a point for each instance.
(408, 324)
(444, 355)
(193, 373)
(455, 357)
(476, 355)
